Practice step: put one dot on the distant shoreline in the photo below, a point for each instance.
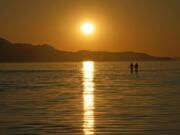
(28, 53)
(84, 60)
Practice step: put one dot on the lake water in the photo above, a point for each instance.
(89, 98)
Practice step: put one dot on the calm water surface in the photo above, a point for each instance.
(89, 98)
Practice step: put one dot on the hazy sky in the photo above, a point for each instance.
(151, 26)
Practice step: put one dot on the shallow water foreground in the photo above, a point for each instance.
(89, 98)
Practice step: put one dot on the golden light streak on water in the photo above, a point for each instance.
(88, 96)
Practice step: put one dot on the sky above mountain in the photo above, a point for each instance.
(150, 26)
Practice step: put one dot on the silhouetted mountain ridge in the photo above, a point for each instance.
(177, 58)
(23, 52)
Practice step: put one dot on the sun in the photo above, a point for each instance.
(87, 28)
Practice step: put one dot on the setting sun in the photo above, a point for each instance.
(87, 28)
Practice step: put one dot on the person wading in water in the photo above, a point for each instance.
(131, 67)
(136, 66)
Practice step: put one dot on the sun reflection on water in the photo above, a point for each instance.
(88, 96)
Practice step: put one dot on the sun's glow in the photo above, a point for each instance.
(87, 28)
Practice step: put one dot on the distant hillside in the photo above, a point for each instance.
(177, 58)
(21, 52)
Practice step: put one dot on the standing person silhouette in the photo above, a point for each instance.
(131, 67)
(136, 66)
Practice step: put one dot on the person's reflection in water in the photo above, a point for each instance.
(88, 96)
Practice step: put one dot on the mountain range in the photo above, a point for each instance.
(23, 52)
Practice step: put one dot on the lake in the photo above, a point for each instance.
(89, 98)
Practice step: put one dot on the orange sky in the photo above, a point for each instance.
(150, 26)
